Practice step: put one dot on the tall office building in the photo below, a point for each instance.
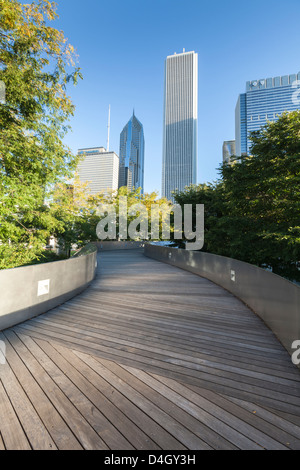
(180, 122)
(100, 168)
(132, 148)
(264, 100)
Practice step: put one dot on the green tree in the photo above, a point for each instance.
(76, 213)
(263, 197)
(36, 65)
(212, 196)
(252, 213)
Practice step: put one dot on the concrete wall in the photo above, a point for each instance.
(31, 290)
(272, 298)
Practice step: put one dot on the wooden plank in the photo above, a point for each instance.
(221, 378)
(76, 329)
(33, 427)
(188, 325)
(207, 413)
(78, 332)
(116, 370)
(213, 335)
(158, 415)
(174, 304)
(2, 446)
(92, 415)
(56, 426)
(189, 343)
(136, 379)
(111, 309)
(221, 414)
(267, 397)
(113, 315)
(165, 342)
(11, 430)
(98, 316)
(127, 406)
(272, 424)
(193, 359)
(102, 414)
(75, 421)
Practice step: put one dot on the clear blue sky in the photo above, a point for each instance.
(122, 45)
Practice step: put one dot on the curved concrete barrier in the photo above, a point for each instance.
(28, 291)
(274, 299)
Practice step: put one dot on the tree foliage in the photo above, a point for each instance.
(253, 212)
(77, 214)
(36, 65)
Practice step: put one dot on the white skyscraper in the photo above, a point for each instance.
(100, 168)
(180, 122)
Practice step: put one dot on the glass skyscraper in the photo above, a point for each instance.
(264, 100)
(180, 122)
(132, 147)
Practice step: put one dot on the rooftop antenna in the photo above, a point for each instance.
(108, 129)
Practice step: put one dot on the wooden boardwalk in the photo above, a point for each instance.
(148, 357)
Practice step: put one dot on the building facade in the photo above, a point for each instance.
(180, 122)
(264, 100)
(132, 150)
(99, 168)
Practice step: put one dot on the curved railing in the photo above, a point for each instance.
(31, 290)
(274, 299)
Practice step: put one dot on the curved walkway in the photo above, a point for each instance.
(148, 357)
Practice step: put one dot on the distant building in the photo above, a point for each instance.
(100, 168)
(265, 100)
(179, 167)
(132, 148)
(241, 125)
(228, 150)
